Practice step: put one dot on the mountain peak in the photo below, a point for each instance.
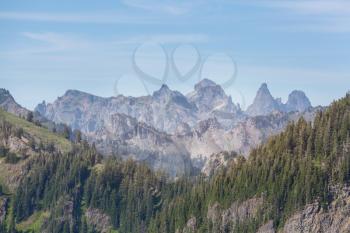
(204, 83)
(209, 96)
(297, 101)
(164, 87)
(72, 92)
(5, 95)
(166, 95)
(264, 89)
(8, 103)
(263, 103)
(163, 91)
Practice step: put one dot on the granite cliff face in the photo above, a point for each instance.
(168, 129)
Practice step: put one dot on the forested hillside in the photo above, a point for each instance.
(79, 191)
(301, 165)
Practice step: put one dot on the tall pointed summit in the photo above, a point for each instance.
(263, 103)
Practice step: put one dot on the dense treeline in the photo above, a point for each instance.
(129, 193)
(292, 169)
(296, 167)
(66, 185)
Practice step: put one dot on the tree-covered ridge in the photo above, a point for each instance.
(296, 167)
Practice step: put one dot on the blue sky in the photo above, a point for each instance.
(108, 47)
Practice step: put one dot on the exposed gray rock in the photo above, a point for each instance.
(169, 130)
(8, 103)
(62, 216)
(126, 137)
(210, 97)
(264, 103)
(98, 220)
(191, 226)
(3, 208)
(267, 228)
(217, 161)
(314, 219)
(297, 101)
(223, 220)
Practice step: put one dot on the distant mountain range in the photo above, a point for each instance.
(168, 130)
(265, 104)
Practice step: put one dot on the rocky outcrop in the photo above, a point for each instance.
(217, 161)
(3, 208)
(191, 226)
(12, 173)
(239, 212)
(267, 228)
(314, 219)
(8, 103)
(98, 220)
(61, 218)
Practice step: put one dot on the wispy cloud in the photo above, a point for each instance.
(56, 41)
(52, 43)
(47, 43)
(329, 16)
(319, 7)
(165, 39)
(168, 7)
(101, 18)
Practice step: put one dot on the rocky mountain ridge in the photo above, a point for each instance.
(8, 103)
(172, 131)
(264, 103)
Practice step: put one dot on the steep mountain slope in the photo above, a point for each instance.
(124, 136)
(8, 103)
(177, 128)
(298, 176)
(59, 187)
(296, 182)
(164, 110)
(20, 142)
(211, 138)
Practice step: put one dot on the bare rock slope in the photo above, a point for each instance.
(172, 131)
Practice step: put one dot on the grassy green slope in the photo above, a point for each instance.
(36, 131)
